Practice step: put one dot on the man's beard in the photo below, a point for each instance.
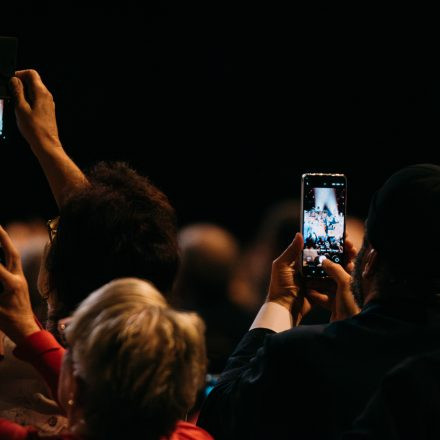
(356, 280)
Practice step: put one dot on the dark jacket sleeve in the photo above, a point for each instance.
(406, 405)
(376, 423)
(224, 415)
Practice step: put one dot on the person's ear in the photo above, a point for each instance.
(371, 261)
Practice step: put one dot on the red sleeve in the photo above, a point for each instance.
(43, 351)
(13, 431)
(188, 431)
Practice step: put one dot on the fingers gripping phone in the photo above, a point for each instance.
(323, 213)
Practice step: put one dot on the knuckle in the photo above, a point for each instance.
(46, 94)
(14, 285)
(19, 284)
(33, 74)
(345, 279)
(14, 254)
(21, 107)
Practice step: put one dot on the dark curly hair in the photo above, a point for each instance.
(121, 225)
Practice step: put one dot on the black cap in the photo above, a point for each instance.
(403, 222)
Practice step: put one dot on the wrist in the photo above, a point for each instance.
(345, 314)
(20, 330)
(45, 144)
(284, 301)
(273, 316)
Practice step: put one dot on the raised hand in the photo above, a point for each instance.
(16, 317)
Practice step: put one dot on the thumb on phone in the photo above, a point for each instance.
(344, 305)
(336, 271)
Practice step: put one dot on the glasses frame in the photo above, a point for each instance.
(52, 228)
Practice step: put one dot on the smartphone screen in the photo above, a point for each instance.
(2, 108)
(323, 221)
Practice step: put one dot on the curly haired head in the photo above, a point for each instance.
(121, 225)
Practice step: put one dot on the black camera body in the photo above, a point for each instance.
(8, 61)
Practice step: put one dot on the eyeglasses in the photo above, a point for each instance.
(52, 227)
(61, 327)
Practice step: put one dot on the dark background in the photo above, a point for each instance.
(225, 106)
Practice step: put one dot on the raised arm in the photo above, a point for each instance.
(35, 113)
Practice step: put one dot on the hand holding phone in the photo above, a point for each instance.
(35, 110)
(17, 319)
(323, 213)
(285, 286)
(334, 293)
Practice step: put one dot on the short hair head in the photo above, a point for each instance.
(401, 212)
(404, 206)
(140, 362)
(209, 255)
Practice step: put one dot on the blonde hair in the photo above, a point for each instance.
(141, 363)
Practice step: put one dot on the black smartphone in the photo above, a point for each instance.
(323, 214)
(2, 119)
(8, 60)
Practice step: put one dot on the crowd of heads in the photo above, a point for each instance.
(122, 227)
(131, 318)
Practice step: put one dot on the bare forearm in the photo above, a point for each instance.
(62, 173)
(273, 316)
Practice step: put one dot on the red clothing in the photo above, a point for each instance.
(43, 351)
(12, 431)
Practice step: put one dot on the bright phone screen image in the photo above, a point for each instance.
(324, 200)
(2, 107)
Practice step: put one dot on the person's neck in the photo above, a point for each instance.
(371, 296)
(370, 291)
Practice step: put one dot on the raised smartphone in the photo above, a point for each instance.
(323, 213)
